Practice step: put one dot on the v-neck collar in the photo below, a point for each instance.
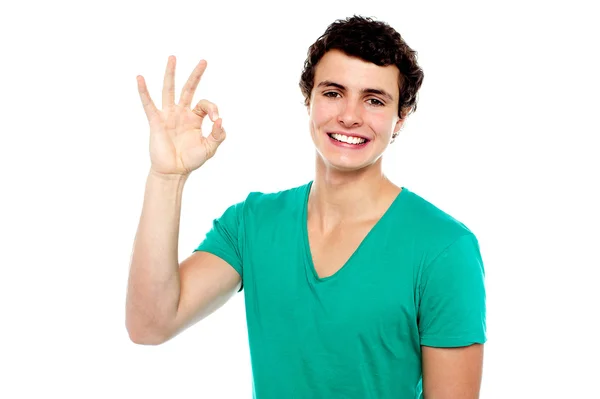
(306, 244)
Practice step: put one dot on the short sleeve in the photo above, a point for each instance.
(225, 238)
(452, 310)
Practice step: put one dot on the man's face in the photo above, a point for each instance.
(353, 110)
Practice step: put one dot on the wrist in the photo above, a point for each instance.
(167, 177)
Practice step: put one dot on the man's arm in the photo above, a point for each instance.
(452, 373)
(452, 321)
(163, 297)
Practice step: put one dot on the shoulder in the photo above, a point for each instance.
(275, 202)
(449, 252)
(432, 225)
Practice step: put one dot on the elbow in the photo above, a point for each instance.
(148, 340)
(145, 327)
(145, 336)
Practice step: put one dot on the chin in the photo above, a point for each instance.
(341, 163)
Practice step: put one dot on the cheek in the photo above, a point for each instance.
(322, 113)
(381, 123)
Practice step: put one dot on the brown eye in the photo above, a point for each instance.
(330, 94)
(376, 102)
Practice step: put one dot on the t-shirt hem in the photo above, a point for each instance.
(441, 342)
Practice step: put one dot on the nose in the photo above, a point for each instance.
(351, 114)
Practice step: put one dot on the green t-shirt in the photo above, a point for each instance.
(416, 279)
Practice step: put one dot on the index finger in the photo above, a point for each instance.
(148, 104)
(187, 93)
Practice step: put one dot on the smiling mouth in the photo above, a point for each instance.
(347, 139)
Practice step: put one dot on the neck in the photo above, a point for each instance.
(338, 196)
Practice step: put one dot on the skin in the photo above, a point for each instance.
(350, 182)
(350, 191)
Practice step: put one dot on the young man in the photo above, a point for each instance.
(355, 287)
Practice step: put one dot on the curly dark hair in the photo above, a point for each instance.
(372, 41)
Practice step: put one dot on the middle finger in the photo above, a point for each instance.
(168, 94)
(187, 93)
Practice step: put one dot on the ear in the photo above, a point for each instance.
(398, 126)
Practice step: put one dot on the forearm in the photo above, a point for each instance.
(154, 287)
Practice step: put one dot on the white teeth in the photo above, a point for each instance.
(347, 139)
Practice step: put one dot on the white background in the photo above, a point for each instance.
(504, 139)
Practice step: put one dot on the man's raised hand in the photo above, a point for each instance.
(177, 145)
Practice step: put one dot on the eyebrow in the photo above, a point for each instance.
(328, 83)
